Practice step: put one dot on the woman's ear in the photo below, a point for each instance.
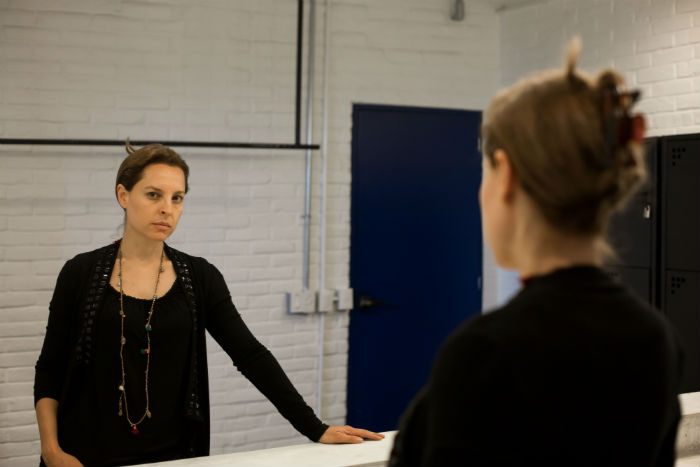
(122, 196)
(506, 176)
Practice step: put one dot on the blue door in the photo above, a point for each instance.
(415, 253)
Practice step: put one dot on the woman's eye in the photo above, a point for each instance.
(177, 198)
(152, 194)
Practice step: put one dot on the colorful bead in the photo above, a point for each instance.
(148, 328)
(123, 340)
(134, 430)
(121, 387)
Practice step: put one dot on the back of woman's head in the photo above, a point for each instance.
(574, 147)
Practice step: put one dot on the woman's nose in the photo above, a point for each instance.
(166, 207)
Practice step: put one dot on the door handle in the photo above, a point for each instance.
(367, 302)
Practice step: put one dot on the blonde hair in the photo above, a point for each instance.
(571, 143)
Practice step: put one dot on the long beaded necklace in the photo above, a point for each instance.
(147, 351)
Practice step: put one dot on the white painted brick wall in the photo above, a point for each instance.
(655, 43)
(204, 71)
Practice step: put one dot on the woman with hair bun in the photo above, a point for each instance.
(122, 375)
(575, 369)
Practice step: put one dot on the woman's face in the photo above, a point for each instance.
(154, 204)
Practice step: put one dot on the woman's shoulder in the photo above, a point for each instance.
(88, 259)
(200, 266)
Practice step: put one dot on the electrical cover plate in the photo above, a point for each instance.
(326, 300)
(301, 302)
(345, 299)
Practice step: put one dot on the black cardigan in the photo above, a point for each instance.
(574, 370)
(66, 357)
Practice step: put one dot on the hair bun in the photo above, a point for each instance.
(572, 57)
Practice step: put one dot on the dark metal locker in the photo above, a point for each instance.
(632, 234)
(636, 279)
(657, 242)
(682, 302)
(680, 182)
(680, 246)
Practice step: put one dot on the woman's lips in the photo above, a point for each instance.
(161, 226)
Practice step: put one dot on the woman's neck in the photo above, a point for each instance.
(545, 250)
(135, 247)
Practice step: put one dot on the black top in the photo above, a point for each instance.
(162, 435)
(76, 360)
(574, 370)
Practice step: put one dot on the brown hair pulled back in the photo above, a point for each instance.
(131, 169)
(561, 131)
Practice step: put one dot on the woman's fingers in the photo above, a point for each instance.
(348, 434)
(366, 434)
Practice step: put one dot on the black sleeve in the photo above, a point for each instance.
(460, 402)
(51, 367)
(254, 360)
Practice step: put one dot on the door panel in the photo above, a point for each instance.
(416, 250)
(682, 304)
(682, 204)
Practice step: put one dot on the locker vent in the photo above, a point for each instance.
(677, 154)
(676, 283)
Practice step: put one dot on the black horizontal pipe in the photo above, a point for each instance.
(199, 144)
(119, 142)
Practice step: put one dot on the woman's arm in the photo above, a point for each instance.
(52, 364)
(261, 368)
(51, 367)
(51, 452)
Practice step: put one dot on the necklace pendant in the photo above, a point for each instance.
(134, 431)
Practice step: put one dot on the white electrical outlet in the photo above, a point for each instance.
(326, 300)
(301, 302)
(345, 299)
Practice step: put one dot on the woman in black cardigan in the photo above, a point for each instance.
(575, 369)
(122, 375)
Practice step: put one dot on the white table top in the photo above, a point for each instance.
(301, 455)
(347, 455)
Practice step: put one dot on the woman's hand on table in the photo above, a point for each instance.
(348, 435)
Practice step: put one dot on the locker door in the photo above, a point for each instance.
(680, 246)
(682, 304)
(636, 279)
(681, 203)
(632, 235)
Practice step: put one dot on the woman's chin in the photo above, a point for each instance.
(159, 235)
